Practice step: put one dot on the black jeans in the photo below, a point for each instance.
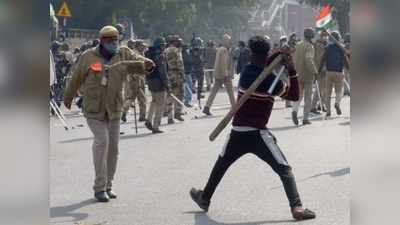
(263, 144)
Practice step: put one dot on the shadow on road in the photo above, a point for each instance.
(67, 211)
(221, 108)
(208, 117)
(336, 173)
(282, 128)
(344, 123)
(201, 218)
(122, 136)
(279, 108)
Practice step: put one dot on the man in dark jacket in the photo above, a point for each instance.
(197, 54)
(158, 85)
(244, 57)
(334, 60)
(250, 133)
(188, 85)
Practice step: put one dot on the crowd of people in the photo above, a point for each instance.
(191, 69)
(107, 76)
(186, 70)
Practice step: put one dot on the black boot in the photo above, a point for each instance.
(148, 125)
(338, 110)
(315, 111)
(157, 131)
(206, 111)
(197, 196)
(123, 117)
(101, 196)
(294, 118)
(171, 121)
(179, 117)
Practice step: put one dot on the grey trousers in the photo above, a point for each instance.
(209, 78)
(105, 151)
(227, 82)
(156, 108)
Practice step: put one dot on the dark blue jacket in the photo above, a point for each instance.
(334, 58)
(243, 60)
(187, 61)
(158, 79)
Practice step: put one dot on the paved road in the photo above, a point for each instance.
(155, 173)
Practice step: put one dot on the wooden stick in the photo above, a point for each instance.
(224, 122)
(183, 105)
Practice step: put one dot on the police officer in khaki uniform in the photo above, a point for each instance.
(305, 67)
(135, 85)
(100, 73)
(223, 73)
(176, 75)
(210, 54)
(319, 47)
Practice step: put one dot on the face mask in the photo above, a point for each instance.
(111, 47)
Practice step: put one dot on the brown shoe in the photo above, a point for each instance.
(299, 213)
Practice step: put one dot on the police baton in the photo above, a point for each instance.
(183, 105)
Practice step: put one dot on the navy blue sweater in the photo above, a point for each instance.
(255, 112)
(334, 58)
(157, 81)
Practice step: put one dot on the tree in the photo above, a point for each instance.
(207, 18)
(341, 11)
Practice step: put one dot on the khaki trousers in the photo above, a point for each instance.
(105, 151)
(156, 108)
(174, 108)
(227, 82)
(333, 79)
(306, 93)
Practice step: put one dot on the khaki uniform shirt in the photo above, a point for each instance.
(304, 61)
(103, 99)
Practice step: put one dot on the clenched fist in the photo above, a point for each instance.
(149, 65)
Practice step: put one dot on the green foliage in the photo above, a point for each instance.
(208, 18)
(341, 11)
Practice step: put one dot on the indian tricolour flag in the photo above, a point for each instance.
(324, 20)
